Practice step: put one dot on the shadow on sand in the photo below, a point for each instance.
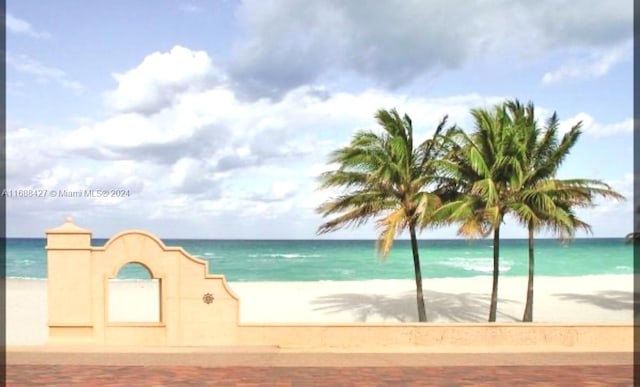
(608, 299)
(441, 307)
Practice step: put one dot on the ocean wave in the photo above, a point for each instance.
(25, 278)
(482, 265)
(284, 255)
(23, 262)
(205, 256)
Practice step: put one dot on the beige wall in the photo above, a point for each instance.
(78, 289)
(78, 294)
(608, 337)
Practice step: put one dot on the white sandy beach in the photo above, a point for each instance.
(601, 298)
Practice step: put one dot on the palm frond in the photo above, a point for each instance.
(390, 225)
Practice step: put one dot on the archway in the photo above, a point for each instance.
(134, 295)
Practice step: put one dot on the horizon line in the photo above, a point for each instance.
(489, 238)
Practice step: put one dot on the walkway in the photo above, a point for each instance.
(275, 367)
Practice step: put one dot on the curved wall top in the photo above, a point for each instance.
(196, 307)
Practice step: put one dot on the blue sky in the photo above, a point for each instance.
(217, 116)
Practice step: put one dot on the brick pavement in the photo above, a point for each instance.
(275, 368)
(109, 375)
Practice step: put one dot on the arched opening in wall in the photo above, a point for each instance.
(134, 295)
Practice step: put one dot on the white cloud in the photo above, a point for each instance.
(22, 27)
(279, 191)
(156, 83)
(125, 131)
(259, 131)
(40, 146)
(192, 176)
(183, 143)
(190, 127)
(61, 177)
(235, 134)
(593, 128)
(621, 211)
(593, 64)
(174, 160)
(43, 73)
(291, 43)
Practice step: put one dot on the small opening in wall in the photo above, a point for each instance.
(134, 295)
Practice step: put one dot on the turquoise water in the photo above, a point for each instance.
(342, 260)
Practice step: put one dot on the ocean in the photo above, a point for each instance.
(347, 260)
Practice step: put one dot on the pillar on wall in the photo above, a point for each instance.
(69, 283)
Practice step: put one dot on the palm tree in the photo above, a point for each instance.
(482, 167)
(386, 178)
(550, 204)
(539, 199)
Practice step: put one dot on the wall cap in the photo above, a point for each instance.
(68, 228)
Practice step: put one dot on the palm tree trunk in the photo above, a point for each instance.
(496, 271)
(528, 309)
(422, 313)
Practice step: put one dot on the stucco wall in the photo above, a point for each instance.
(607, 337)
(78, 289)
(78, 296)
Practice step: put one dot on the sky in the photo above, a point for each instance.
(216, 117)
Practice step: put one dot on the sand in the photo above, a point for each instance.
(588, 299)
